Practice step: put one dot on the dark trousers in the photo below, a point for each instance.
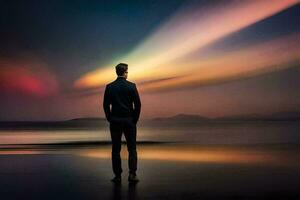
(117, 127)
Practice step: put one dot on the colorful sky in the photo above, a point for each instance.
(212, 58)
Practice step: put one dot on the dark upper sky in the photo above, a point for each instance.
(75, 36)
(46, 46)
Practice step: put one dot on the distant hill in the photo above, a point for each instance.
(86, 120)
(187, 119)
(286, 116)
(78, 123)
(280, 116)
(182, 117)
(176, 120)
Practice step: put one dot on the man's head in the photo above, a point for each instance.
(122, 70)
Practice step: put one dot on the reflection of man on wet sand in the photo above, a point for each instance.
(123, 116)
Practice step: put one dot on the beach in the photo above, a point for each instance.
(165, 170)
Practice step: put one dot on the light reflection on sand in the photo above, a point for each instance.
(230, 154)
(198, 153)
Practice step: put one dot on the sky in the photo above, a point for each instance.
(211, 58)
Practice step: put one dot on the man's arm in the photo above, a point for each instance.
(137, 105)
(106, 103)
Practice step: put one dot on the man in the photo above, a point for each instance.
(123, 116)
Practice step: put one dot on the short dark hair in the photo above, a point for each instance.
(121, 68)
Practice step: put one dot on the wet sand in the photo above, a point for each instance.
(166, 171)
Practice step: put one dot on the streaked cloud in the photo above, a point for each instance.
(192, 29)
(269, 56)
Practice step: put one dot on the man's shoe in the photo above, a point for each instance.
(133, 178)
(116, 179)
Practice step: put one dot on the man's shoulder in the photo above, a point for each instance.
(108, 85)
(129, 83)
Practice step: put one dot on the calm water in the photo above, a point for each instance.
(233, 133)
(190, 170)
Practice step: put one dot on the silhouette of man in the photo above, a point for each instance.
(123, 116)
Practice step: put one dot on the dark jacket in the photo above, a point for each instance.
(121, 95)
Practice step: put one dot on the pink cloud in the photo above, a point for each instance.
(27, 77)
